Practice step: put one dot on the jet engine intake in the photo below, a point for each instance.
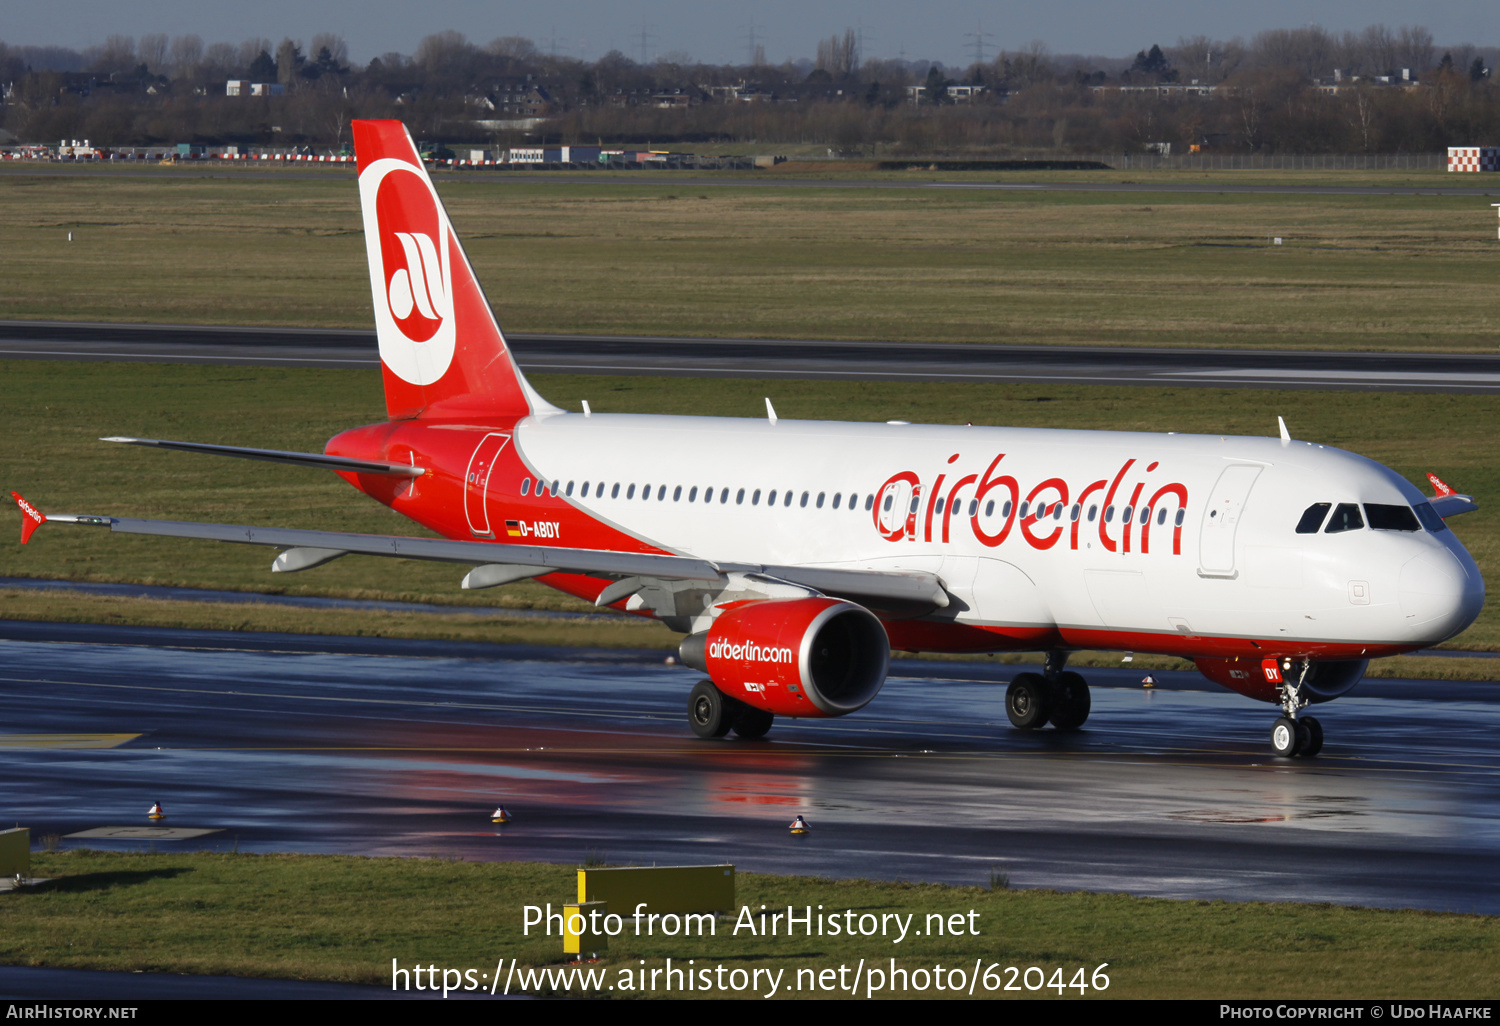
(794, 657)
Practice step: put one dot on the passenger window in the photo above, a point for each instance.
(869, 502)
(645, 492)
(1109, 514)
(836, 497)
(889, 498)
(989, 508)
(526, 486)
(585, 489)
(820, 500)
(1312, 518)
(692, 495)
(803, 503)
(973, 507)
(1025, 508)
(739, 498)
(1177, 520)
(1004, 510)
(940, 506)
(771, 499)
(1093, 511)
(1345, 518)
(1161, 516)
(1146, 513)
(724, 496)
(1125, 517)
(1077, 509)
(1430, 518)
(629, 492)
(1391, 518)
(755, 499)
(661, 493)
(614, 493)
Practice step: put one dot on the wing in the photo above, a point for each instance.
(1448, 503)
(907, 592)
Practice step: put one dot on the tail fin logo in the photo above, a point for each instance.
(418, 285)
(410, 248)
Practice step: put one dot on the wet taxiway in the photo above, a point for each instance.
(403, 748)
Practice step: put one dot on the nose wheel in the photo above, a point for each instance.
(1293, 735)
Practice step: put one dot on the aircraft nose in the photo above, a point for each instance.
(1440, 596)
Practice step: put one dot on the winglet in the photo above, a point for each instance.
(1439, 487)
(31, 517)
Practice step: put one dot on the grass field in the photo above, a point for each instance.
(342, 918)
(767, 260)
(54, 413)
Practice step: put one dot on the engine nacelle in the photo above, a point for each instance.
(1258, 678)
(794, 657)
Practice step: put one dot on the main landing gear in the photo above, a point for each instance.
(1292, 735)
(711, 713)
(1058, 696)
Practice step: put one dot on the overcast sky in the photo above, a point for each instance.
(719, 32)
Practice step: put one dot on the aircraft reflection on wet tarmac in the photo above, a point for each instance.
(295, 743)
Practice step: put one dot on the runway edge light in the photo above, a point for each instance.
(500, 815)
(156, 811)
(799, 826)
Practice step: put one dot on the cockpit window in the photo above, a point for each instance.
(1430, 518)
(1391, 518)
(1345, 518)
(1312, 518)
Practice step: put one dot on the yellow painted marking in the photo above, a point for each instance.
(65, 740)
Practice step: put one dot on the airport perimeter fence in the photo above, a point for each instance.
(1268, 161)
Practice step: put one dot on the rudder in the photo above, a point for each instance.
(441, 352)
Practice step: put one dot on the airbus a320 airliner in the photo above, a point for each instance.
(796, 554)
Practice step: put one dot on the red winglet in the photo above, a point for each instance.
(1438, 486)
(31, 517)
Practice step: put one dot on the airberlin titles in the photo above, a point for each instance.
(1044, 514)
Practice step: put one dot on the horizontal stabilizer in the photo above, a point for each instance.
(301, 459)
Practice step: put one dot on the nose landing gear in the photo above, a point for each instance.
(1291, 735)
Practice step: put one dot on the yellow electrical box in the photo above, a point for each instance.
(15, 852)
(583, 927)
(663, 889)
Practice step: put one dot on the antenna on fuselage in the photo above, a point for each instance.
(770, 411)
(1285, 435)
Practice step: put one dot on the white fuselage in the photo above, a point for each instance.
(936, 498)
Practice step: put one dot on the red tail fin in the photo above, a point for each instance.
(442, 353)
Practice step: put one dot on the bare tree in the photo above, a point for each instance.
(517, 48)
(839, 56)
(116, 55)
(152, 52)
(185, 55)
(1414, 49)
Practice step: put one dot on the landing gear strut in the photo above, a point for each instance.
(1056, 695)
(1292, 735)
(711, 713)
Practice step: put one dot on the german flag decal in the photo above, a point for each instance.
(513, 528)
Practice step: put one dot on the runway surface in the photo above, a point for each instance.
(778, 179)
(785, 358)
(375, 746)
